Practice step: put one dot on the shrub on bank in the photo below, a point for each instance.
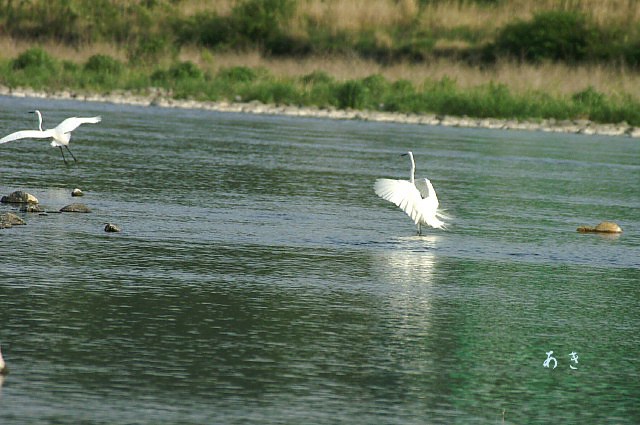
(317, 88)
(102, 71)
(185, 71)
(35, 67)
(352, 94)
(34, 59)
(240, 74)
(562, 36)
(555, 35)
(251, 23)
(103, 64)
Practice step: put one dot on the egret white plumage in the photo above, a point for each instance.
(60, 135)
(417, 198)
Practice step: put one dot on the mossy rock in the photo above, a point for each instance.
(604, 227)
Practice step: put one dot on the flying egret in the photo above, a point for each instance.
(60, 135)
(417, 198)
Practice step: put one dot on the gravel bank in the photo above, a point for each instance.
(161, 99)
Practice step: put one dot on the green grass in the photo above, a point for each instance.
(185, 80)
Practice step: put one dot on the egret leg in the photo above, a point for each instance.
(72, 156)
(419, 229)
(62, 152)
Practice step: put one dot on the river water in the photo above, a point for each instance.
(259, 280)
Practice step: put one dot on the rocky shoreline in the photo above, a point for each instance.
(160, 98)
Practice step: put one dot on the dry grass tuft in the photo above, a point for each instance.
(193, 7)
(10, 48)
(551, 78)
(358, 15)
(372, 15)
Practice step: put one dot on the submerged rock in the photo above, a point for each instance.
(31, 208)
(110, 227)
(77, 192)
(76, 208)
(604, 227)
(9, 219)
(19, 197)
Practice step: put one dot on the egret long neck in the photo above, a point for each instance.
(413, 168)
(39, 120)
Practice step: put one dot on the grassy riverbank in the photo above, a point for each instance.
(439, 57)
(185, 80)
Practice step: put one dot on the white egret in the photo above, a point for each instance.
(60, 135)
(417, 198)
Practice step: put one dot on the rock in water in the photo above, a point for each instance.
(76, 208)
(604, 227)
(109, 227)
(31, 208)
(9, 219)
(77, 192)
(19, 197)
(608, 227)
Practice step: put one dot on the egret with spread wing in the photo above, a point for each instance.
(60, 135)
(417, 198)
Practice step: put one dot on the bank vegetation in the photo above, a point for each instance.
(523, 59)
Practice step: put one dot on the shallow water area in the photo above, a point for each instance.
(258, 279)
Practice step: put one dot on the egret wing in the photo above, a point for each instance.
(72, 123)
(426, 190)
(402, 193)
(429, 214)
(430, 198)
(26, 134)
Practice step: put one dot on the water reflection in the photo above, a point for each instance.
(409, 263)
(411, 278)
(609, 236)
(3, 371)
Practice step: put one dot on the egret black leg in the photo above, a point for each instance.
(74, 158)
(62, 152)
